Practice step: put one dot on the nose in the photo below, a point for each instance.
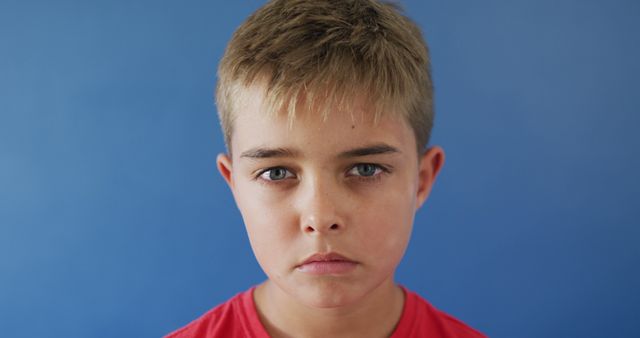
(319, 209)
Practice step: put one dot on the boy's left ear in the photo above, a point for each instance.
(430, 164)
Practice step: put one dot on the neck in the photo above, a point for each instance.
(376, 315)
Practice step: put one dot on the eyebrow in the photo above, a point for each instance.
(376, 149)
(259, 153)
(262, 153)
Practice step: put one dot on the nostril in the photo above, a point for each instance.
(333, 227)
(310, 229)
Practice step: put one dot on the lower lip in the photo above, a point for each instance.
(327, 268)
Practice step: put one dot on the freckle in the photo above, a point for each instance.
(353, 126)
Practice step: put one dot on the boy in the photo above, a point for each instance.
(326, 108)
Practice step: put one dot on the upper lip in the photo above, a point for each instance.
(325, 257)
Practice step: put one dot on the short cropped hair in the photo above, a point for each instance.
(325, 53)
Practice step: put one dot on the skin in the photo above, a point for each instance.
(345, 185)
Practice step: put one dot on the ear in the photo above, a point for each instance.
(430, 164)
(223, 162)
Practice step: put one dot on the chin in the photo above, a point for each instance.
(327, 295)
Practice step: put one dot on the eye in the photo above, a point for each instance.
(275, 174)
(365, 170)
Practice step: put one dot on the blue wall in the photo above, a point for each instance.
(114, 222)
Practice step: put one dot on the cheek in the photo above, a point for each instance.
(389, 226)
(270, 227)
(385, 226)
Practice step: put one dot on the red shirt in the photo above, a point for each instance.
(238, 318)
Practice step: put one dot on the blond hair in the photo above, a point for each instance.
(328, 52)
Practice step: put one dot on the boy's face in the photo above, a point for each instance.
(344, 186)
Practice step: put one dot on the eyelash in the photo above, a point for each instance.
(380, 171)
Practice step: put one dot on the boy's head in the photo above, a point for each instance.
(323, 104)
(325, 53)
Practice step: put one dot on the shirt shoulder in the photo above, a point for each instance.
(236, 317)
(458, 328)
(421, 319)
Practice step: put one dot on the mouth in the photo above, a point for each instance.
(327, 264)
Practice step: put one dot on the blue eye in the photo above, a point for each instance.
(276, 174)
(365, 170)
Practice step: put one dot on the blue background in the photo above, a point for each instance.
(115, 223)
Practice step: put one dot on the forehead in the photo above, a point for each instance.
(311, 133)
